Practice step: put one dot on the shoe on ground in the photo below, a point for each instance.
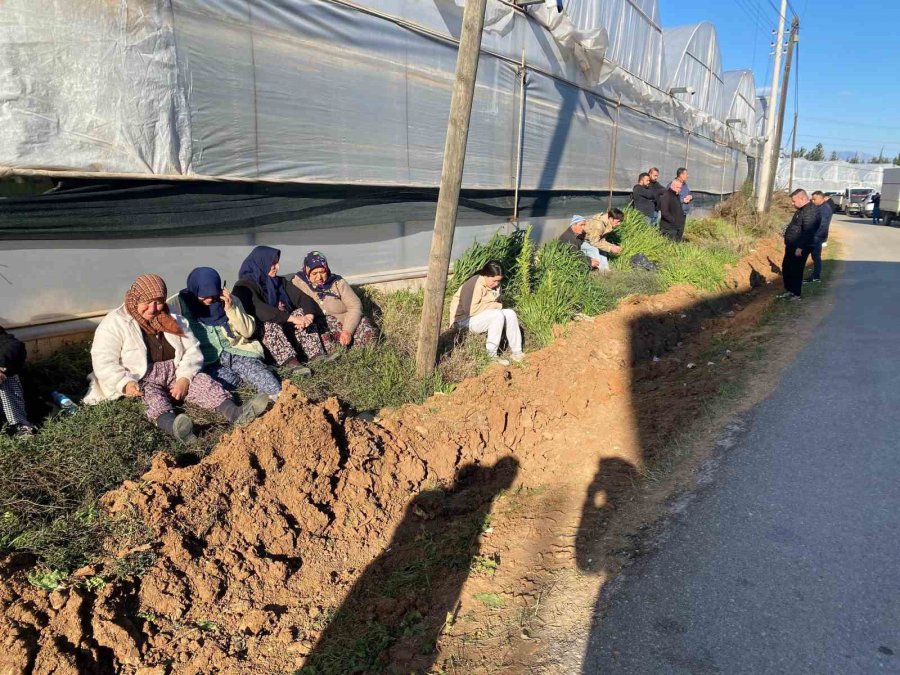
(294, 367)
(499, 360)
(518, 357)
(328, 358)
(784, 296)
(795, 298)
(25, 431)
(253, 408)
(180, 426)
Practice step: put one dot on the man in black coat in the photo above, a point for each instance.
(798, 240)
(12, 398)
(644, 197)
(823, 207)
(657, 189)
(671, 212)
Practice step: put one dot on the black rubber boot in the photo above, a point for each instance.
(178, 425)
(241, 414)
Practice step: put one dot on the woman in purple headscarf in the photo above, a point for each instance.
(225, 331)
(341, 308)
(286, 327)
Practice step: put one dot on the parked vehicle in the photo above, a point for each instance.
(855, 200)
(838, 199)
(890, 195)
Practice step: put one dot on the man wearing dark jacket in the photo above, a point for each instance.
(644, 197)
(823, 207)
(12, 398)
(671, 212)
(798, 241)
(657, 189)
(574, 237)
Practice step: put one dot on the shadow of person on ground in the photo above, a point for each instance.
(395, 612)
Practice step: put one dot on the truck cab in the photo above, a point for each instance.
(855, 200)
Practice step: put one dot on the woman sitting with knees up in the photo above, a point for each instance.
(287, 330)
(140, 350)
(476, 306)
(345, 324)
(225, 332)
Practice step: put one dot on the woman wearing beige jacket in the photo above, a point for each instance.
(342, 323)
(476, 306)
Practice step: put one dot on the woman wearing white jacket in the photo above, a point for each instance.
(140, 350)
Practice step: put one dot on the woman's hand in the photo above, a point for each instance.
(132, 390)
(226, 299)
(345, 338)
(302, 321)
(180, 389)
(2, 375)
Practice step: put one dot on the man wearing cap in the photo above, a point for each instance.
(596, 229)
(574, 237)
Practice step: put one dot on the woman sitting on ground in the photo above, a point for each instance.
(341, 307)
(287, 330)
(225, 332)
(476, 306)
(12, 398)
(140, 350)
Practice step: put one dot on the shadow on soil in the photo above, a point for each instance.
(399, 606)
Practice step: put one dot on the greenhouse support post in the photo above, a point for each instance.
(520, 138)
(451, 182)
(612, 155)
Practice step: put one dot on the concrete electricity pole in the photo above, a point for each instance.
(766, 169)
(782, 104)
(451, 180)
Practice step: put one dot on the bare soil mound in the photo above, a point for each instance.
(306, 538)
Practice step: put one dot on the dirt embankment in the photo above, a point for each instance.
(422, 540)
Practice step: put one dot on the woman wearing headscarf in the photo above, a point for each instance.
(12, 398)
(286, 329)
(141, 350)
(225, 333)
(340, 307)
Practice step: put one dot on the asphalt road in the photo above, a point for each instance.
(789, 561)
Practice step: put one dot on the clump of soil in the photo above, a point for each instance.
(314, 539)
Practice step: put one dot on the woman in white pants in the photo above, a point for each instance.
(476, 306)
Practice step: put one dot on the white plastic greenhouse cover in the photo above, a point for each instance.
(762, 107)
(634, 33)
(829, 176)
(355, 92)
(693, 60)
(740, 100)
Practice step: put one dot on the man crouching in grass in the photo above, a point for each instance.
(596, 229)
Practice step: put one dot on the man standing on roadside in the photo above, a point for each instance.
(825, 212)
(671, 212)
(644, 197)
(657, 190)
(685, 194)
(798, 240)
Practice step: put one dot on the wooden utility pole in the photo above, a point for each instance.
(451, 180)
(782, 104)
(765, 169)
(793, 153)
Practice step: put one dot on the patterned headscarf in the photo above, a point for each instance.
(313, 261)
(145, 288)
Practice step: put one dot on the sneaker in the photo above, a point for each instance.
(518, 357)
(795, 298)
(25, 431)
(500, 360)
(784, 296)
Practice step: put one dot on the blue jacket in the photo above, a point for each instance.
(825, 214)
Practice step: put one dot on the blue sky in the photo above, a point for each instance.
(849, 95)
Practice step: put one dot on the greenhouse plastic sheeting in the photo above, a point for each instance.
(693, 60)
(740, 97)
(335, 91)
(829, 176)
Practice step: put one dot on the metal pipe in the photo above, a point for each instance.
(520, 138)
(612, 157)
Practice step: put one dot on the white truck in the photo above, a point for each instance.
(890, 195)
